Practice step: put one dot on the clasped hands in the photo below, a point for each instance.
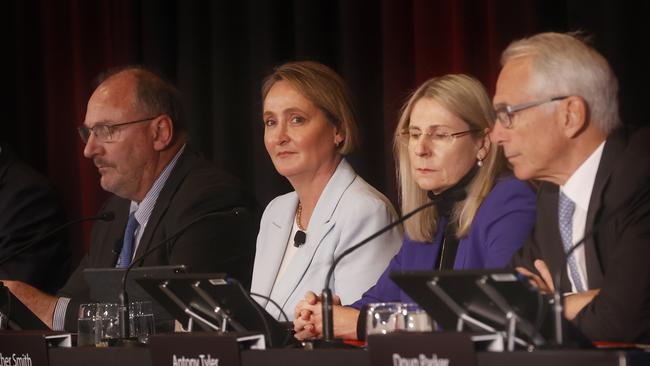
(308, 318)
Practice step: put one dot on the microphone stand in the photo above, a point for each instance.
(123, 297)
(326, 294)
(104, 216)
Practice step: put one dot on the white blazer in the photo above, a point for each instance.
(348, 211)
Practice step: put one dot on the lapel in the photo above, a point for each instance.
(551, 249)
(183, 166)
(320, 224)
(613, 148)
(276, 238)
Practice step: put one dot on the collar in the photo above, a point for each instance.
(143, 209)
(581, 183)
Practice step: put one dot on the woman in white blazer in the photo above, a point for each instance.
(308, 128)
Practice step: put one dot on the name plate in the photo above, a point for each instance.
(29, 348)
(421, 349)
(202, 349)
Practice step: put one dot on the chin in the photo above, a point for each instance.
(428, 185)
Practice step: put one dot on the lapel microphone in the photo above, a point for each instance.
(299, 239)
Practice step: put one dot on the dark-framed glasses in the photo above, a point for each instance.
(505, 112)
(106, 132)
(436, 135)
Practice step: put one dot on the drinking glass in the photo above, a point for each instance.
(388, 317)
(412, 318)
(108, 319)
(87, 334)
(141, 320)
(381, 318)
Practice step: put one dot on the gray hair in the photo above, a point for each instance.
(564, 64)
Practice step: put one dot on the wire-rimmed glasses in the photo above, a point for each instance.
(106, 132)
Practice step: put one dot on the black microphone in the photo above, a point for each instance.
(123, 296)
(326, 295)
(299, 239)
(104, 216)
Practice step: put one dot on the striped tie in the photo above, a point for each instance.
(566, 207)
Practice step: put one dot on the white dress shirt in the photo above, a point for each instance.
(578, 188)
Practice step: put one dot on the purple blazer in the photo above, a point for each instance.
(502, 224)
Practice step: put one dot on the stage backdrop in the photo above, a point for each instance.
(217, 52)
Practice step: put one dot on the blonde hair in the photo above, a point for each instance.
(327, 90)
(564, 64)
(465, 97)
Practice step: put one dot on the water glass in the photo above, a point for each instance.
(388, 317)
(109, 319)
(141, 320)
(87, 334)
(97, 323)
(412, 318)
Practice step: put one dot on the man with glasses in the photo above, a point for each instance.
(134, 132)
(557, 111)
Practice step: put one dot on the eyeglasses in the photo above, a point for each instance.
(436, 135)
(505, 112)
(106, 133)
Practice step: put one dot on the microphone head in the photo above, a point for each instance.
(432, 196)
(106, 216)
(299, 239)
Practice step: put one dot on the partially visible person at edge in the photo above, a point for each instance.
(29, 208)
(482, 215)
(557, 106)
(309, 126)
(134, 131)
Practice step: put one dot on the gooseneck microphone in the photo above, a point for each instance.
(326, 295)
(104, 216)
(123, 297)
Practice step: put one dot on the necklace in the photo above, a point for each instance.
(299, 217)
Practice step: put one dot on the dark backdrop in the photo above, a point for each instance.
(218, 51)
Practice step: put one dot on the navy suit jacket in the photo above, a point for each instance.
(618, 249)
(214, 244)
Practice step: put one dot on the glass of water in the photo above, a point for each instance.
(412, 318)
(109, 321)
(87, 334)
(389, 317)
(141, 320)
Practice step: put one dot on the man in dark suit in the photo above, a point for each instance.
(556, 104)
(29, 208)
(135, 134)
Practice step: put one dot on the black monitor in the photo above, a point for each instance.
(105, 285)
(478, 300)
(216, 303)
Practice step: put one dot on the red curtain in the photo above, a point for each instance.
(217, 52)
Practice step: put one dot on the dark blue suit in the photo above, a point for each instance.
(502, 224)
